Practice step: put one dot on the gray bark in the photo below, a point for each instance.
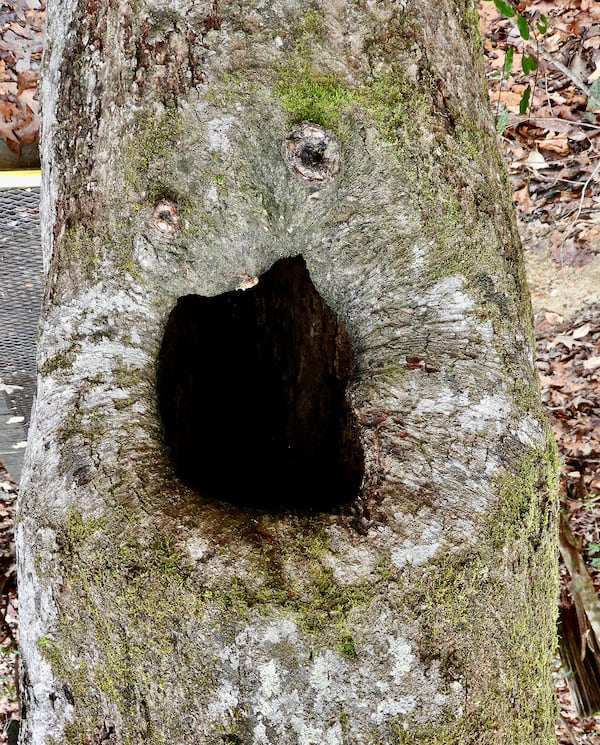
(415, 602)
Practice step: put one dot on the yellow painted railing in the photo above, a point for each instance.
(20, 179)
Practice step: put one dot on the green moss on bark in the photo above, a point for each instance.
(449, 160)
(80, 254)
(309, 95)
(129, 606)
(61, 361)
(132, 606)
(502, 596)
(151, 153)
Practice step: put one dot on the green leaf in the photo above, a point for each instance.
(594, 96)
(523, 27)
(504, 8)
(508, 59)
(528, 64)
(542, 24)
(524, 102)
(502, 120)
(593, 549)
(595, 563)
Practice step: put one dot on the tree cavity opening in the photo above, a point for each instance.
(252, 394)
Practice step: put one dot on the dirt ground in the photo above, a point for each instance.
(542, 67)
(8, 606)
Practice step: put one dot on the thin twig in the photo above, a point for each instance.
(570, 159)
(551, 179)
(574, 220)
(585, 186)
(575, 79)
(537, 118)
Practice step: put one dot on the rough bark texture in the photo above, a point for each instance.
(422, 610)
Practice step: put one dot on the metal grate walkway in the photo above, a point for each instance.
(21, 289)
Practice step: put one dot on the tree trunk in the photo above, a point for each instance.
(288, 478)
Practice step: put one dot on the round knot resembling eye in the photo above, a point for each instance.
(313, 154)
(165, 217)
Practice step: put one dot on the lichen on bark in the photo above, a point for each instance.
(420, 611)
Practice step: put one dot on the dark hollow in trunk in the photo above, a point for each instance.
(252, 393)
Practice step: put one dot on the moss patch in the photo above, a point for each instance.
(80, 253)
(476, 608)
(320, 605)
(134, 601)
(62, 360)
(131, 607)
(448, 160)
(452, 733)
(151, 152)
(308, 95)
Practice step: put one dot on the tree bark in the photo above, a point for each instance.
(288, 478)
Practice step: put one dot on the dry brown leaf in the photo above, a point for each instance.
(6, 132)
(581, 331)
(27, 79)
(558, 145)
(510, 99)
(592, 363)
(28, 130)
(7, 110)
(522, 198)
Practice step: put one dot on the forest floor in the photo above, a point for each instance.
(550, 138)
(551, 147)
(8, 605)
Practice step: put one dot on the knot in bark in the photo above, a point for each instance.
(165, 217)
(313, 154)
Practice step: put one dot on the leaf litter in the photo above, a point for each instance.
(552, 153)
(22, 26)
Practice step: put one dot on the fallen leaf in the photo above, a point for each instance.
(28, 131)
(592, 363)
(27, 79)
(536, 160)
(6, 131)
(581, 331)
(558, 145)
(566, 339)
